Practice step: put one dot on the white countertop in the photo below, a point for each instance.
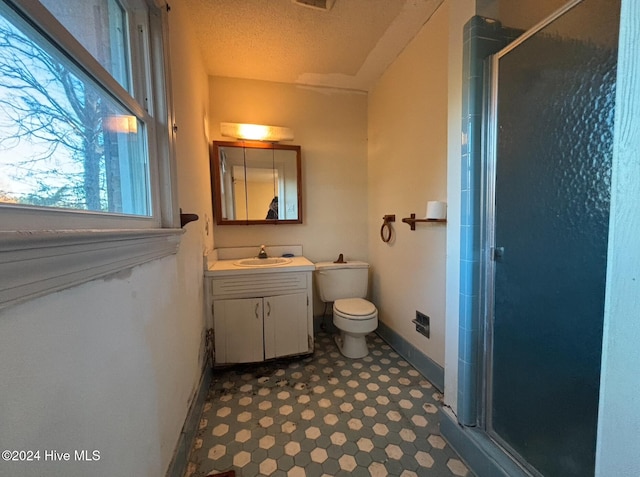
(225, 268)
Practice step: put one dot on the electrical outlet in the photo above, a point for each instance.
(422, 323)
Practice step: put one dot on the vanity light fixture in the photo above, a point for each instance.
(316, 4)
(256, 132)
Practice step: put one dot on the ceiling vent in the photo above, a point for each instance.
(316, 4)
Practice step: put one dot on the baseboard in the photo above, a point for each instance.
(180, 459)
(429, 368)
(481, 454)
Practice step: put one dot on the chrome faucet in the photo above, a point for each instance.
(263, 252)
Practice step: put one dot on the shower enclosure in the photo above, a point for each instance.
(547, 190)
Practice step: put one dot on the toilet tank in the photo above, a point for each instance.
(342, 280)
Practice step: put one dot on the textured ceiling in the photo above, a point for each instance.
(276, 40)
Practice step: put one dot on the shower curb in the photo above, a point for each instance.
(477, 450)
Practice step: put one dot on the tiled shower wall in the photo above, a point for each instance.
(482, 38)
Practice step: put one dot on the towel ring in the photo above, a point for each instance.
(386, 238)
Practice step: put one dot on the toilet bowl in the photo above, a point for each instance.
(355, 318)
(345, 284)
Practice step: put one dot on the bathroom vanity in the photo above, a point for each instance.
(260, 309)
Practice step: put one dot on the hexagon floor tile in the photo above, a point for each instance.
(324, 416)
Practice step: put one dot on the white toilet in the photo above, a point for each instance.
(345, 284)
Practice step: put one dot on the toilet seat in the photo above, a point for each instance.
(355, 308)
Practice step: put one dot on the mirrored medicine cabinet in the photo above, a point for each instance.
(256, 182)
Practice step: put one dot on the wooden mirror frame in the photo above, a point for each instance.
(214, 162)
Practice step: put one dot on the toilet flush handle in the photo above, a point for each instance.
(340, 259)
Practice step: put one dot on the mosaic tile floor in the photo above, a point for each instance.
(324, 415)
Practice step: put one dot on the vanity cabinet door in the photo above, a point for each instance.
(238, 328)
(285, 325)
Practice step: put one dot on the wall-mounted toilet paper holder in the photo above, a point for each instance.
(412, 221)
(436, 212)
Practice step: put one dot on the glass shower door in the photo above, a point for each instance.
(554, 131)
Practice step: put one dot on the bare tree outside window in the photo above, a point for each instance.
(64, 142)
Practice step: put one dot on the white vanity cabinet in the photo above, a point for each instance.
(238, 325)
(261, 316)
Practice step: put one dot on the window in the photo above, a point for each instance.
(102, 28)
(66, 141)
(84, 138)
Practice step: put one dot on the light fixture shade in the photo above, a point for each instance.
(256, 132)
(122, 124)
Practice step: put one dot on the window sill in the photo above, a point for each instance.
(35, 263)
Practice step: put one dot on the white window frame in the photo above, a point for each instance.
(47, 250)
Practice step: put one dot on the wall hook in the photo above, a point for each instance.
(186, 218)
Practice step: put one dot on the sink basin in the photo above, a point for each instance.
(262, 262)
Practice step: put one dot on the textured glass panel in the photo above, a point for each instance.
(555, 118)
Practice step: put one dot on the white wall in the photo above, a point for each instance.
(618, 451)
(112, 365)
(330, 126)
(191, 108)
(94, 367)
(407, 166)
